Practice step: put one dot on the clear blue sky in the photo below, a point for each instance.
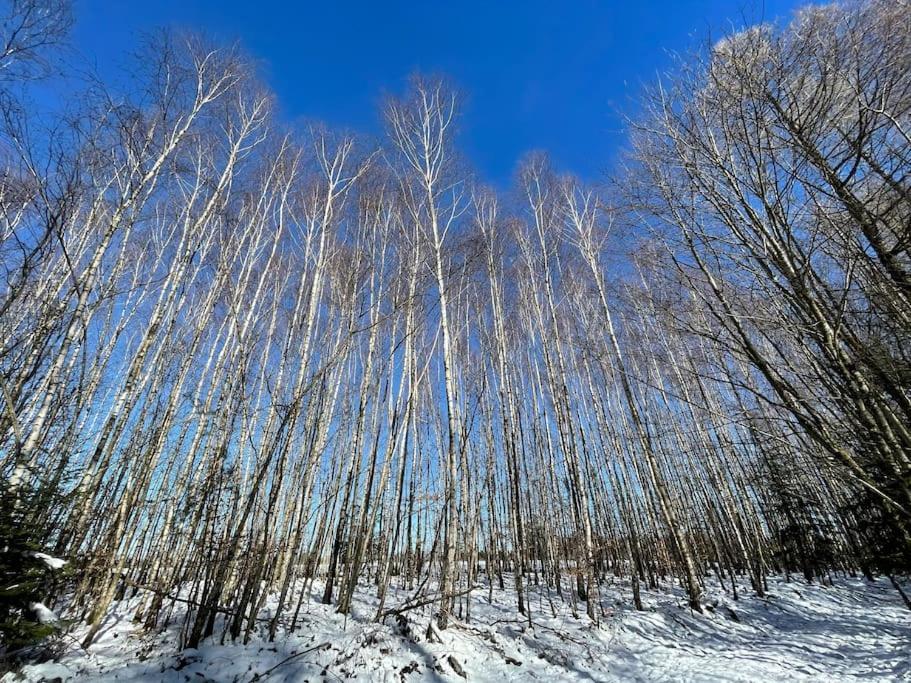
(537, 74)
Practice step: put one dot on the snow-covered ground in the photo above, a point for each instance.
(854, 630)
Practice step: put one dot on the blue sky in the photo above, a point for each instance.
(537, 75)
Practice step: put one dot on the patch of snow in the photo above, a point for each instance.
(49, 671)
(44, 614)
(49, 560)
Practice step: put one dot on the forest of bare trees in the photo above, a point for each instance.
(238, 357)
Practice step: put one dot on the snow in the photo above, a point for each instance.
(50, 561)
(43, 672)
(851, 631)
(44, 615)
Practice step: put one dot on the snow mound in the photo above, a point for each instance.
(43, 613)
(49, 560)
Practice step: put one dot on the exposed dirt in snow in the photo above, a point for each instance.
(854, 630)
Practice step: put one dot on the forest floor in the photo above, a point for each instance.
(853, 630)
